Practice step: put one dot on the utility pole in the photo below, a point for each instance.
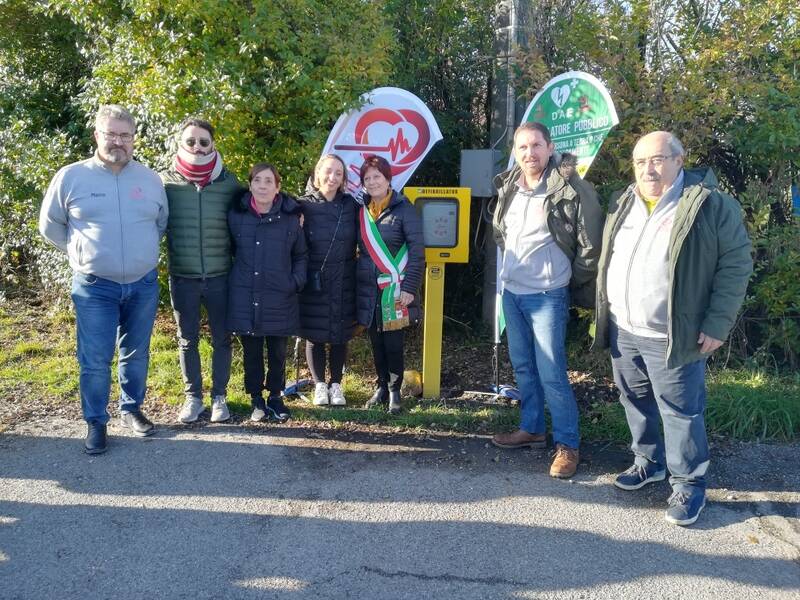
(505, 107)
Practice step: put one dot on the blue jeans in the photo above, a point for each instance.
(536, 325)
(187, 295)
(653, 394)
(108, 315)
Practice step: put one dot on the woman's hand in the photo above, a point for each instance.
(406, 298)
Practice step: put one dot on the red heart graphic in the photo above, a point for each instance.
(396, 145)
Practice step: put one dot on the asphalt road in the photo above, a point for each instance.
(287, 512)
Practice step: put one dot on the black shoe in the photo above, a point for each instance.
(137, 423)
(394, 402)
(276, 410)
(381, 396)
(96, 439)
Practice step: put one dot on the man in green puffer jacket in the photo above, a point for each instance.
(672, 276)
(200, 192)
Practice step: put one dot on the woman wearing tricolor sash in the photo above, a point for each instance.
(391, 264)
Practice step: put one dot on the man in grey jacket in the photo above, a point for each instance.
(549, 229)
(671, 279)
(108, 213)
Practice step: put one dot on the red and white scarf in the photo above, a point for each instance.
(200, 169)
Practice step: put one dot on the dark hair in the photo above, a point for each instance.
(376, 162)
(534, 126)
(262, 166)
(194, 122)
(567, 158)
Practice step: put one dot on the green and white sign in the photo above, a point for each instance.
(579, 112)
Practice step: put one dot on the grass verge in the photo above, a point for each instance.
(37, 363)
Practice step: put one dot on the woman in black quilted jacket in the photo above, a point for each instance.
(269, 270)
(328, 302)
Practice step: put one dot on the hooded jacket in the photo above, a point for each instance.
(398, 224)
(330, 315)
(709, 264)
(574, 219)
(269, 268)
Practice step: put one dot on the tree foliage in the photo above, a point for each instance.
(722, 75)
(274, 76)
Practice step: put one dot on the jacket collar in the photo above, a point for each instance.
(393, 201)
(286, 203)
(555, 181)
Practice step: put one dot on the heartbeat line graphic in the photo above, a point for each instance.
(397, 145)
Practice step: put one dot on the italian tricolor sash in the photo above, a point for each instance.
(391, 272)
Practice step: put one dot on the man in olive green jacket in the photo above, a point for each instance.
(548, 229)
(672, 276)
(200, 191)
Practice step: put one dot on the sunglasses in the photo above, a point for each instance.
(204, 142)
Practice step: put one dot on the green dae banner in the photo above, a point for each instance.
(579, 112)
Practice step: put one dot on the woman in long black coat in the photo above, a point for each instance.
(328, 302)
(391, 263)
(269, 270)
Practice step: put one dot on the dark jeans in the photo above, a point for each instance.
(317, 359)
(187, 295)
(387, 351)
(253, 359)
(652, 394)
(111, 315)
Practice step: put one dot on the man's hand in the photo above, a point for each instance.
(406, 298)
(707, 343)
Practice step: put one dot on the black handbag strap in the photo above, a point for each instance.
(333, 239)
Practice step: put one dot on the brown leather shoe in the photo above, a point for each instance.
(565, 462)
(520, 439)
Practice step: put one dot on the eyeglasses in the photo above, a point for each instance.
(125, 138)
(204, 142)
(656, 160)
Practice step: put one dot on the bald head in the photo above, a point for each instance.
(657, 161)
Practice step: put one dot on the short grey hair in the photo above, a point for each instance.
(675, 146)
(114, 111)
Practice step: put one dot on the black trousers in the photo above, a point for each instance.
(387, 351)
(317, 359)
(253, 359)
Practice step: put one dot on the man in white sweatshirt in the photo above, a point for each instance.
(108, 213)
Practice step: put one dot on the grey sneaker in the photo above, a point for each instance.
(191, 409)
(684, 508)
(637, 477)
(259, 409)
(219, 410)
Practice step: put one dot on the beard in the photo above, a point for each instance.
(115, 155)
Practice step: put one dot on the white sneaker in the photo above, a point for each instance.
(191, 409)
(337, 395)
(219, 410)
(321, 394)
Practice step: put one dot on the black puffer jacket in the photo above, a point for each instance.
(399, 223)
(269, 268)
(330, 316)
